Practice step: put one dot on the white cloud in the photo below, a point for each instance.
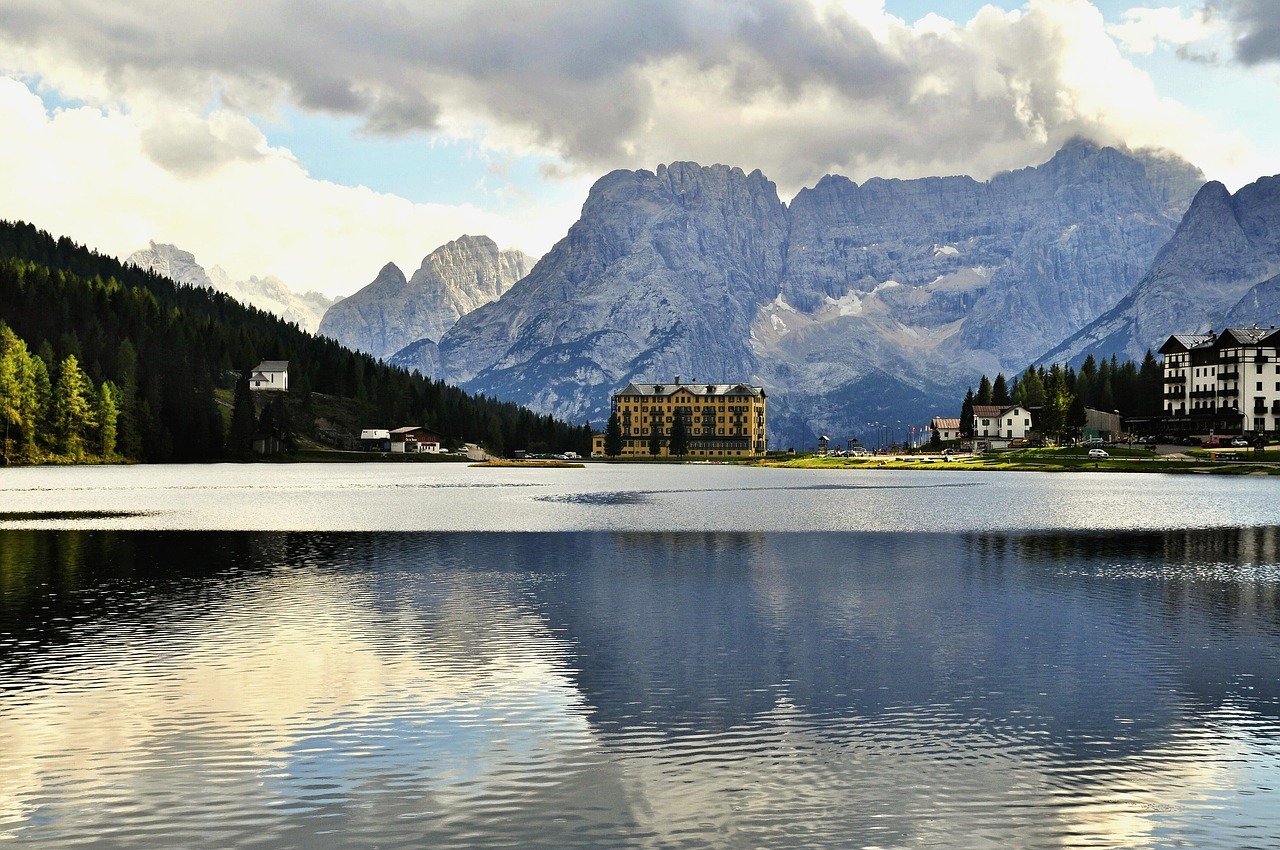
(797, 88)
(93, 175)
(1146, 29)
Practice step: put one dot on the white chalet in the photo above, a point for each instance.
(1004, 422)
(270, 375)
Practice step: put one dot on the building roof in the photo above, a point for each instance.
(991, 411)
(694, 388)
(1241, 336)
(942, 423)
(272, 366)
(410, 430)
(1185, 342)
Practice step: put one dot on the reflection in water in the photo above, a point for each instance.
(162, 689)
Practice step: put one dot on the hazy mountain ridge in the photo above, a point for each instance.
(1218, 269)
(393, 311)
(269, 294)
(852, 304)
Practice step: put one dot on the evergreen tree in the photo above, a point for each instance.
(1151, 387)
(1076, 415)
(73, 409)
(679, 443)
(18, 399)
(240, 431)
(655, 440)
(613, 436)
(966, 414)
(1000, 391)
(108, 414)
(1031, 389)
(1053, 413)
(984, 391)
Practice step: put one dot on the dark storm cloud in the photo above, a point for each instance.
(1257, 29)
(792, 86)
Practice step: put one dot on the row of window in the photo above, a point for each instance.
(1206, 388)
(706, 420)
(699, 431)
(729, 408)
(1008, 421)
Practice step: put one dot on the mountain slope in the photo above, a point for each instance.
(1218, 269)
(454, 279)
(268, 294)
(854, 304)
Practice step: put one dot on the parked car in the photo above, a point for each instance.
(1239, 442)
(1097, 453)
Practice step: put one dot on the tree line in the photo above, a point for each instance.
(157, 351)
(1058, 395)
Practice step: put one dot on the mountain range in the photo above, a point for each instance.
(393, 311)
(853, 304)
(1220, 269)
(268, 294)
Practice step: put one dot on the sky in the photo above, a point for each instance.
(317, 140)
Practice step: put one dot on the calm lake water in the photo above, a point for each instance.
(409, 656)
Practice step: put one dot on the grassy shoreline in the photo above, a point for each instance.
(1051, 460)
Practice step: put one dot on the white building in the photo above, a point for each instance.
(270, 375)
(946, 429)
(1003, 422)
(1227, 383)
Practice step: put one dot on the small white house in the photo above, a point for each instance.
(946, 428)
(270, 375)
(1011, 422)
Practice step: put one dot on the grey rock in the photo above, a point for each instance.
(393, 312)
(661, 275)
(857, 304)
(1218, 269)
(269, 294)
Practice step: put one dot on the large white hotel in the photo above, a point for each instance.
(1225, 383)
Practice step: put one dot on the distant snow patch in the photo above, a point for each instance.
(948, 250)
(781, 304)
(849, 304)
(778, 325)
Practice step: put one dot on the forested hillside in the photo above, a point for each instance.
(155, 351)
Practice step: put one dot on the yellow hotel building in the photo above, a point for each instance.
(721, 420)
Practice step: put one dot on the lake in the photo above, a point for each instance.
(412, 655)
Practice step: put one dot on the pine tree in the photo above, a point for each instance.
(240, 432)
(984, 391)
(1031, 389)
(655, 440)
(679, 443)
(108, 415)
(966, 414)
(1053, 413)
(613, 436)
(73, 409)
(1000, 392)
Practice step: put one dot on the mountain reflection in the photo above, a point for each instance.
(677, 689)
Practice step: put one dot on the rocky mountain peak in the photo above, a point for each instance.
(849, 304)
(392, 312)
(269, 293)
(1218, 268)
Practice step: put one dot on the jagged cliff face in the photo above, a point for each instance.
(855, 304)
(1219, 269)
(269, 294)
(393, 312)
(660, 275)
